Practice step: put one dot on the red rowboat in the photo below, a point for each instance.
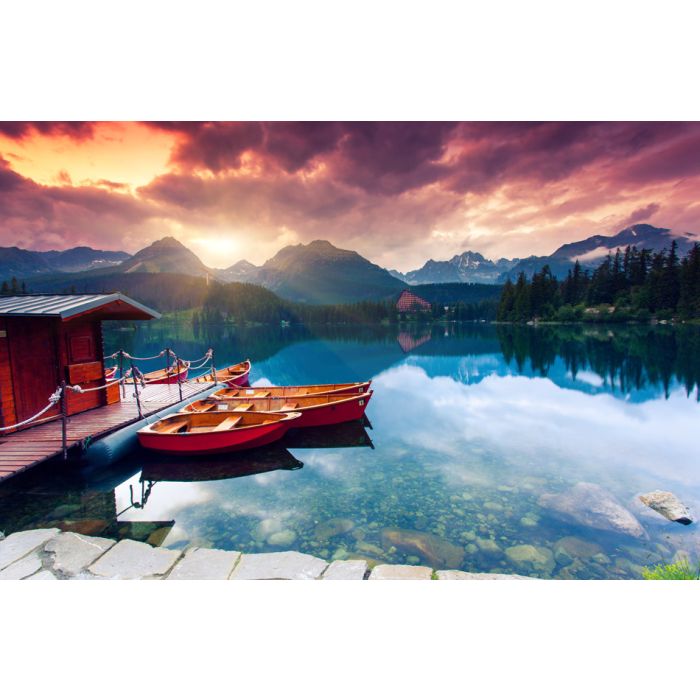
(233, 376)
(176, 372)
(209, 433)
(314, 410)
(110, 373)
(287, 392)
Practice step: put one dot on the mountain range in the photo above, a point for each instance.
(317, 272)
(17, 262)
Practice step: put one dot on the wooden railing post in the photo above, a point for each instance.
(64, 420)
(213, 366)
(136, 389)
(121, 372)
(179, 375)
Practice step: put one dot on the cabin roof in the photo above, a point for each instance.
(64, 306)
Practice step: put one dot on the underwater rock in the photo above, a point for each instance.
(568, 549)
(283, 538)
(331, 528)
(668, 505)
(267, 527)
(590, 505)
(435, 551)
(526, 521)
(528, 556)
(369, 548)
(488, 546)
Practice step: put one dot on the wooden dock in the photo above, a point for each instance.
(26, 448)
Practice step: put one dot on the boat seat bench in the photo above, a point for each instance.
(228, 423)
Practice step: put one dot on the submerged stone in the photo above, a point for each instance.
(432, 549)
(568, 549)
(531, 557)
(488, 546)
(590, 505)
(668, 505)
(331, 528)
(283, 538)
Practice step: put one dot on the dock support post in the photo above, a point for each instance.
(64, 421)
(136, 389)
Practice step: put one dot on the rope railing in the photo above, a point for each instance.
(134, 374)
(53, 400)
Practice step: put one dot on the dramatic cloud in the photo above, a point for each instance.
(398, 192)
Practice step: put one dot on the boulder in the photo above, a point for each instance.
(279, 565)
(72, 552)
(590, 505)
(400, 572)
(349, 570)
(204, 565)
(431, 549)
(283, 538)
(19, 544)
(668, 505)
(531, 558)
(129, 559)
(488, 546)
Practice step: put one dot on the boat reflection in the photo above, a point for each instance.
(215, 467)
(352, 434)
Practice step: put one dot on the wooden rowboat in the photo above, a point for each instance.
(233, 376)
(176, 372)
(287, 392)
(315, 410)
(210, 433)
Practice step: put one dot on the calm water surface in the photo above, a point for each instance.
(475, 436)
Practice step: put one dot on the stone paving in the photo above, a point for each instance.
(50, 554)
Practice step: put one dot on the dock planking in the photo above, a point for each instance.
(26, 448)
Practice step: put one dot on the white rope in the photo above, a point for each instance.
(131, 357)
(53, 400)
(79, 390)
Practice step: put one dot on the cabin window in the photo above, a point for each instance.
(81, 348)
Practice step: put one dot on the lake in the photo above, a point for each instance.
(486, 448)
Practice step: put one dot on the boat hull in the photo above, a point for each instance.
(296, 391)
(344, 410)
(214, 443)
(229, 376)
(172, 378)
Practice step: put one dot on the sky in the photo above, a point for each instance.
(399, 193)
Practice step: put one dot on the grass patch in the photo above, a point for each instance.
(681, 570)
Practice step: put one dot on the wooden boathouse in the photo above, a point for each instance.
(50, 342)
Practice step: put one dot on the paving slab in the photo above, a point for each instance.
(278, 565)
(346, 570)
(204, 565)
(19, 544)
(26, 566)
(72, 552)
(400, 572)
(453, 575)
(43, 575)
(129, 559)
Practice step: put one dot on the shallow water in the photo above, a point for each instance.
(469, 427)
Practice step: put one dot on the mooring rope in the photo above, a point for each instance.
(53, 400)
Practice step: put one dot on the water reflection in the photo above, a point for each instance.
(479, 433)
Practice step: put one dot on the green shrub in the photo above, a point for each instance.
(679, 571)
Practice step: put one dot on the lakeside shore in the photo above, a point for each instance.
(49, 554)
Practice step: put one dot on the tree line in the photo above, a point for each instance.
(632, 284)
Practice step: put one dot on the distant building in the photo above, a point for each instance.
(408, 301)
